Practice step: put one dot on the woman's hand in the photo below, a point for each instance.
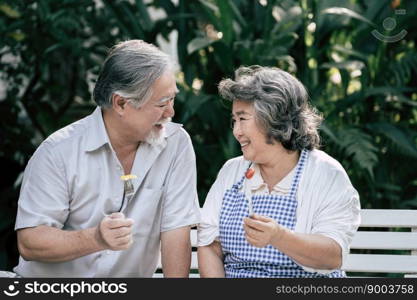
(261, 231)
(311, 250)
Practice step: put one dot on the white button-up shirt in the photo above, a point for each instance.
(73, 179)
(328, 204)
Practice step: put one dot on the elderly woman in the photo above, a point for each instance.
(284, 209)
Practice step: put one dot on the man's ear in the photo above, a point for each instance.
(118, 104)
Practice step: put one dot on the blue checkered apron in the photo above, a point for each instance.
(244, 260)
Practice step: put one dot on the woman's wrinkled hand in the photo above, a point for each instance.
(261, 231)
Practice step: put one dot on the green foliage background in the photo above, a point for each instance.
(51, 52)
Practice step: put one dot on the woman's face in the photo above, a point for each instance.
(250, 136)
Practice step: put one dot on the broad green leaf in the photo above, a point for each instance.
(343, 11)
(359, 146)
(387, 90)
(237, 15)
(329, 132)
(136, 26)
(345, 65)
(351, 52)
(198, 43)
(9, 11)
(144, 15)
(405, 145)
(226, 20)
(192, 104)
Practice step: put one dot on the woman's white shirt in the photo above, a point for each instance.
(328, 204)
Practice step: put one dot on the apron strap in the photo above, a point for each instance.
(298, 172)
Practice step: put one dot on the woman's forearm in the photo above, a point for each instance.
(210, 261)
(310, 250)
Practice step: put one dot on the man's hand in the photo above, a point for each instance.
(261, 231)
(115, 232)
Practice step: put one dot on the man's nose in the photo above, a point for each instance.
(169, 110)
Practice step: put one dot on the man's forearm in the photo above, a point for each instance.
(49, 244)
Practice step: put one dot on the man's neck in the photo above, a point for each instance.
(122, 145)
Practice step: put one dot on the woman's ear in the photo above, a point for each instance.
(118, 103)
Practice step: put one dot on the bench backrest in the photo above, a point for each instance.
(378, 231)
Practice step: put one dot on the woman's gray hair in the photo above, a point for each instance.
(281, 105)
(130, 70)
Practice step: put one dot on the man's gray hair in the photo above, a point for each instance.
(130, 70)
(281, 105)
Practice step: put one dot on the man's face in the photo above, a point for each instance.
(146, 123)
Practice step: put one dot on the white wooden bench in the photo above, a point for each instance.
(379, 231)
(383, 233)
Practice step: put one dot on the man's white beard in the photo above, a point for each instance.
(156, 136)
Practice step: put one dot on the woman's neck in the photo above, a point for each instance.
(279, 165)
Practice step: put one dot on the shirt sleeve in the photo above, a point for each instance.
(43, 196)
(208, 229)
(338, 216)
(180, 206)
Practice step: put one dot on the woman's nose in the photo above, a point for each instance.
(236, 130)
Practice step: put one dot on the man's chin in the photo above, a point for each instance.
(156, 137)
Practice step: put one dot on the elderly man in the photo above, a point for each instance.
(105, 195)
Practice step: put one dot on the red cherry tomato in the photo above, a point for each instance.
(249, 173)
